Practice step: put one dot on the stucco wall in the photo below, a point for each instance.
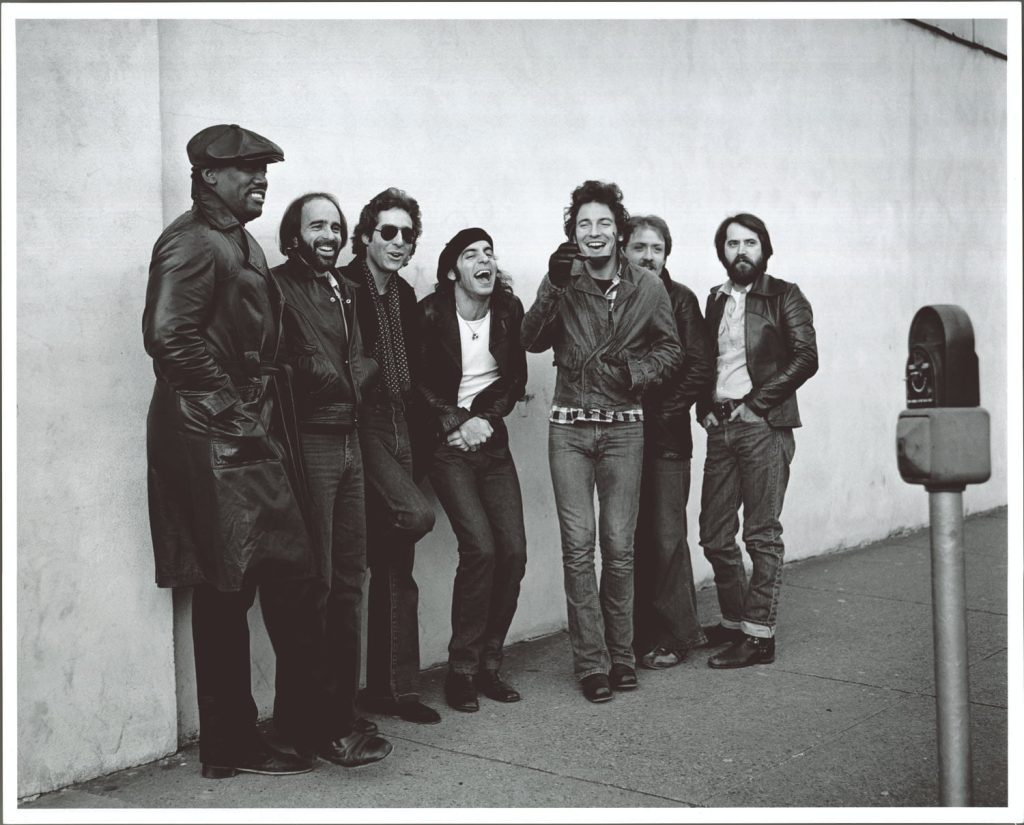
(96, 687)
(874, 150)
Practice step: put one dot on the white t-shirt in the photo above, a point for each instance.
(479, 369)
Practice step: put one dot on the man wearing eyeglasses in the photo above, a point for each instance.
(397, 514)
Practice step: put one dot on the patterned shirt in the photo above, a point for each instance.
(389, 348)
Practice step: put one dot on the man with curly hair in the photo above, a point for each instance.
(611, 327)
(397, 514)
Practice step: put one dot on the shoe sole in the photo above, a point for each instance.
(461, 709)
(219, 772)
(598, 700)
(715, 666)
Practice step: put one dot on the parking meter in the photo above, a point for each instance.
(942, 438)
(942, 442)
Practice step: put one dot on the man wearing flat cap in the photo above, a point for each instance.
(223, 499)
(471, 373)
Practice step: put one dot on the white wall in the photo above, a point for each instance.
(96, 685)
(874, 150)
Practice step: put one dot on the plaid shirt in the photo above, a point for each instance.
(567, 415)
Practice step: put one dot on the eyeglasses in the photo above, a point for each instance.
(388, 232)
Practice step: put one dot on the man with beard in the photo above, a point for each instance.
(324, 348)
(666, 622)
(611, 327)
(472, 372)
(223, 506)
(397, 513)
(763, 329)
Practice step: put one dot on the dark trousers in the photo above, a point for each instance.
(665, 597)
(220, 639)
(397, 516)
(334, 472)
(480, 493)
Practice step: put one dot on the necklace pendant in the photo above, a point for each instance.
(475, 335)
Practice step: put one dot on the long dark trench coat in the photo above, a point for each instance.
(224, 503)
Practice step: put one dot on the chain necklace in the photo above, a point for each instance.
(473, 326)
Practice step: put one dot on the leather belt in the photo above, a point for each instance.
(723, 409)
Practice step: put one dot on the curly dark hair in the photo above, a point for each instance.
(290, 230)
(748, 221)
(596, 191)
(390, 198)
(648, 222)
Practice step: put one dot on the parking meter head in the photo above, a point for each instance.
(942, 367)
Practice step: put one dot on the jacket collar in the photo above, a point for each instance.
(765, 285)
(628, 275)
(212, 208)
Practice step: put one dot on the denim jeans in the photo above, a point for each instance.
(665, 597)
(334, 472)
(748, 464)
(397, 516)
(609, 456)
(480, 493)
(220, 642)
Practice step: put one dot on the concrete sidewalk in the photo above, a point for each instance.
(844, 717)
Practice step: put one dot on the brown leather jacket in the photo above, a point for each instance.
(781, 349)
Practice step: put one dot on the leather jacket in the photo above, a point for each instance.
(781, 349)
(440, 363)
(605, 360)
(328, 378)
(225, 493)
(667, 407)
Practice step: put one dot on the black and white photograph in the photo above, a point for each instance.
(495, 412)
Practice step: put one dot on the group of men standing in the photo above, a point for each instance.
(295, 410)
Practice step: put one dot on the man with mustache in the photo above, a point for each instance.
(472, 372)
(666, 622)
(397, 513)
(223, 497)
(324, 348)
(611, 327)
(763, 330)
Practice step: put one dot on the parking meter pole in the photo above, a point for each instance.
(949, 612)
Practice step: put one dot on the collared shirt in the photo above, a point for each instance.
(732, 379)
(389, 348)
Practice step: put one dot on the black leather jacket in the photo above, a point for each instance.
(439, 367)
(781, 349)
(328, 378)
(667, 407)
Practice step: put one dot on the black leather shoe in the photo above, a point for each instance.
(491, 685)
(409, 710)
(752, 650)
(261, 759)
(460, 692)
(719, 635)
(362, 725)
(596, 688)
(622, 677)
(355, 750)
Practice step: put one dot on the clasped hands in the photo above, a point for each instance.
(471, 435)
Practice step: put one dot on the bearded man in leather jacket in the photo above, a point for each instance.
(324, 350)
(765, 349)
(665, 601)
(223, 493)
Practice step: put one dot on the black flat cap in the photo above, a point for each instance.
(450, 254)
(227, 144)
